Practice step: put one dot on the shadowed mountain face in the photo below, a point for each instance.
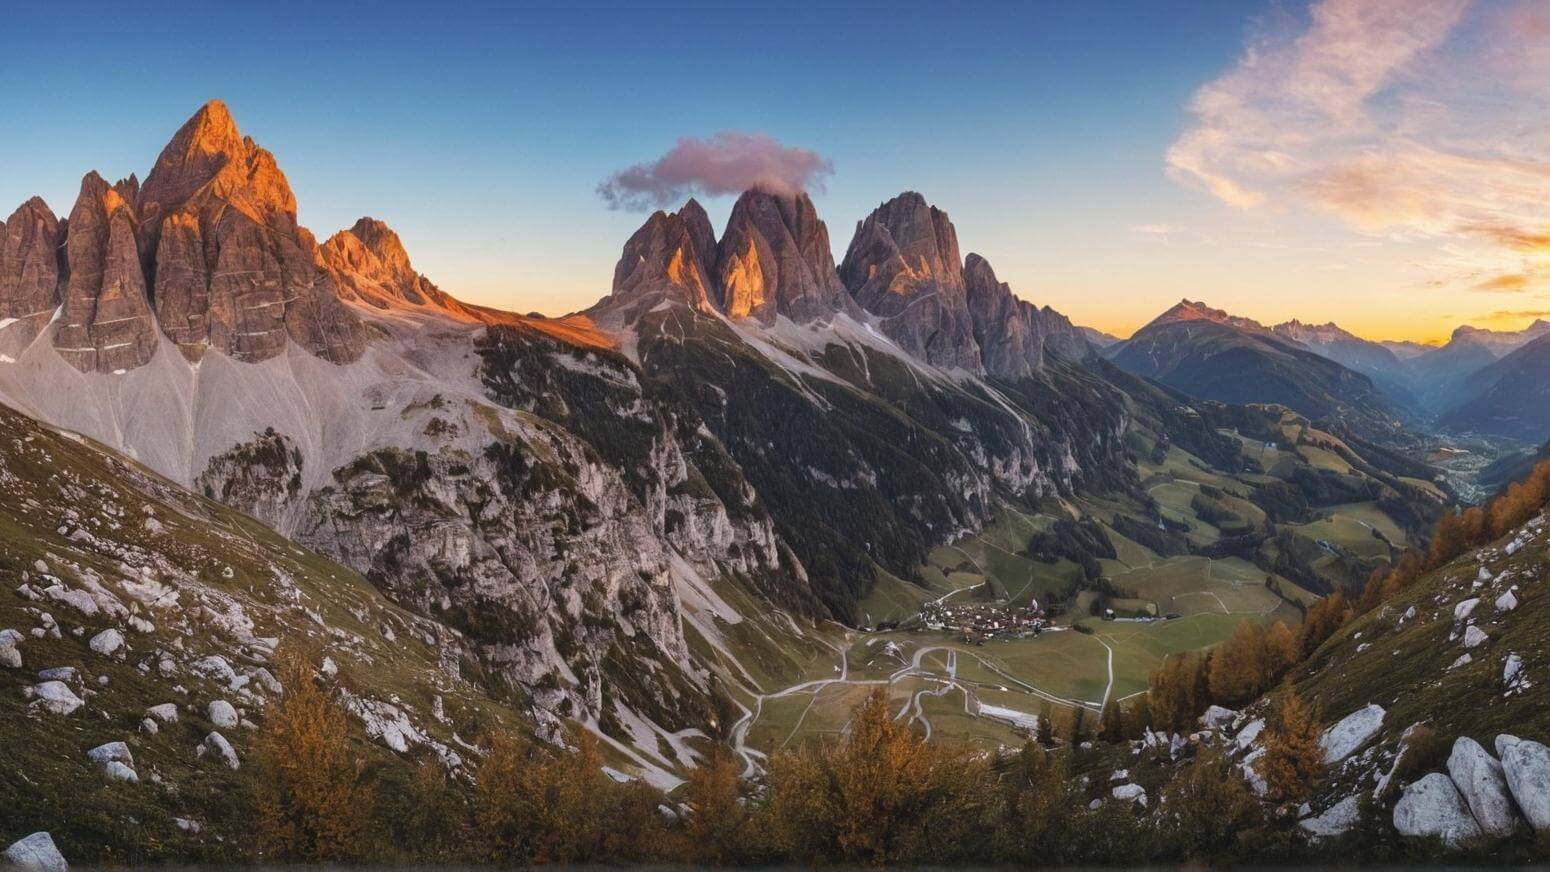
(1447, 376)
(1393, 375)
(1507, 397)
(1208, 353)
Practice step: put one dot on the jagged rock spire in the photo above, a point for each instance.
(774, 259)
(671, 256)
(106, 324)
(1015, 337)
(234, 271)
(31, 264)
(903, 266)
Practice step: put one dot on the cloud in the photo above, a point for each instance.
(1505, 283)
(729, 162)
(1158, 229)
(1424, 122)
(1515, 316)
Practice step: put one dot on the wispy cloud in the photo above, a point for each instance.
(1423, 121)
(1508, 282)
(729, 162)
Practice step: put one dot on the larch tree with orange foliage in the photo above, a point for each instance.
(312, 798)
(883, 794)
(1293, 762)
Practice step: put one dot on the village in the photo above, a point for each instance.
(979, 622)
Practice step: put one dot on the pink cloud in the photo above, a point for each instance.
(729, 162)
(1424, 121)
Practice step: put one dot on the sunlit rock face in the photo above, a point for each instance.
(30, 265)
(774, 259)
(903, 265)
(106, 324)
(368, 264)
(234, 271)
(672, 256)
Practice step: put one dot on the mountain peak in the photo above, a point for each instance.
(1187, 310)
(904, 253)
(206, 144)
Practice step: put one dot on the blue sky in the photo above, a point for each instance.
(480, 131)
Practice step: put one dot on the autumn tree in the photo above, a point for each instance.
(1034, 809)
(1044, 732)
(1325, 617)
(1251, 661)
(715, 831)
(1078, 726)
(312, 798)
(1204, 808)
(1292, 762)
(1175, 692)
(882, 794)
(533, 805)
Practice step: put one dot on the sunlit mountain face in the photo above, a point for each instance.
(661, 472)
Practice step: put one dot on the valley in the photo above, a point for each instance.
(747, 495)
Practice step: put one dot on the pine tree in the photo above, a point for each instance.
(1112, 727)
(1044, 733)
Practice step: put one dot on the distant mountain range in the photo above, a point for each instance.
(1210, 353)
(1481, 381)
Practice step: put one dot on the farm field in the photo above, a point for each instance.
(941, 682)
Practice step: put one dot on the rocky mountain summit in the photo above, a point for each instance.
(207, 252)
(903, 266)
(902, 270)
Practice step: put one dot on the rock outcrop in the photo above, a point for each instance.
(234, 271)
(1014, 335)
(1351, 732)
(672, 256)
(368, 263)
(35, 853)
(774, 259)
(31, 264)
(106, 324)
(1526, 768)
(1479, 779)
(903, 266)
(1432, 807)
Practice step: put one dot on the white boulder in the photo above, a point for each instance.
(1249, 734)
(166, 713)
(1479, 779)
(216, 744)
(1526, 766)
(117, 771)
(1216, 716)
(1507, 602)
(35, 853)
(1474, 636)
(1131, 793)
(111, 752)
(53, 697)
(107, 643)
(1432, 807)
(1351, 732)
(1463, 610)
(1335, 820)
(222, 714)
